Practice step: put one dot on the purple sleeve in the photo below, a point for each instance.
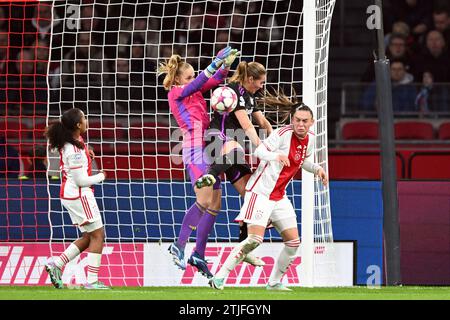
(215, 80)
(194, 86)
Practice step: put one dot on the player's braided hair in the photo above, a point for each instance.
(279, 104)
(61, 132)
(172, 68)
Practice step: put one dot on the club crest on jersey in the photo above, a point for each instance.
(258, 214)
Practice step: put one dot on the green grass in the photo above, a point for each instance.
(230, 293)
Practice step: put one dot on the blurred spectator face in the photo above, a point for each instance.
(397, 47)
(398, 71)
(88, 18)
(402, 28)
(411, 3)
(83, 44)
(122, 69)
(137, 51)
(441, 21)
(435, 43)
(140, 24)
(427, 78)
(25, 63)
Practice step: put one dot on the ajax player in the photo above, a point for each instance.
(77, 196)
(282, 154)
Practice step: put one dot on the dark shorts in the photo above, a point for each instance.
(213, 148)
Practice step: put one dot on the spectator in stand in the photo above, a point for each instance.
(396, 50)
(416, 13)
(402, 28)
(403, 91)
(434, 58)
(9, 160)
(432, 97)
(441, 22)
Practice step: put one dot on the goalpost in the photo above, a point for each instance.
(104, 57)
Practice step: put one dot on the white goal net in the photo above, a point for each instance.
(104, 58)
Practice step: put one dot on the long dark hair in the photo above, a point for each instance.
(61, 132)
(279, 104)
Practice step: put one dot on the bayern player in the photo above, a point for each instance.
(77, 196)
(227, 154)
(189, 108)
(282, 154)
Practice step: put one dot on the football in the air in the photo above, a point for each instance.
(224, 99)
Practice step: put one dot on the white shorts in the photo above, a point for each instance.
(258, 209)
(84, 212)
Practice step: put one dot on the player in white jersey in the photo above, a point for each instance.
(282, 154)
(77, 196)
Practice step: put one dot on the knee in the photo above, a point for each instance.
(98, 235)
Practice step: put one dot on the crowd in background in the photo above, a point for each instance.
(417, 44)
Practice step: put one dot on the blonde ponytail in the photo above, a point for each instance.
(246, 70)
(172, 68)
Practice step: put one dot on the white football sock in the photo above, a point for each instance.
(287, 255)
(238, 254)
(94, 260)
(68, 255)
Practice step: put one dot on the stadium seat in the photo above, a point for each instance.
(360, 130)
(148, 131)
(429, 165)
(414, 130)
(444, 131)
(105, 131)
(14, 129)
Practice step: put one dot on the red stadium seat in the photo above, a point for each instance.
(444, 131)
(414, 130)
(149, 131)
(105, 131)
(429, 165)
(14, 129)
(360, 130)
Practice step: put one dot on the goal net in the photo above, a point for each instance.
(104, 57)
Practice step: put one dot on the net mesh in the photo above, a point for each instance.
(103, 57)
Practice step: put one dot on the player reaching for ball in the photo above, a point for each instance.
(189, 108)
(227, 154)
(282, 154)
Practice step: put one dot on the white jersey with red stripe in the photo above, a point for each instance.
(72, 158)
(271, 177)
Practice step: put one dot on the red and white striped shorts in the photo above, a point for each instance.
(84, 212)
(258, 209)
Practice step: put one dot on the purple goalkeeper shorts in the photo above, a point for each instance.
(197, 164)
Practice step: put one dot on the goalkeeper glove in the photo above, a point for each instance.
(230, 59)
(217, 62)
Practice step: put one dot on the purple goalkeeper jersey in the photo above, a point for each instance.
(188, 106)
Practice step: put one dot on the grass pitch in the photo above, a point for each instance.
(229, 293)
